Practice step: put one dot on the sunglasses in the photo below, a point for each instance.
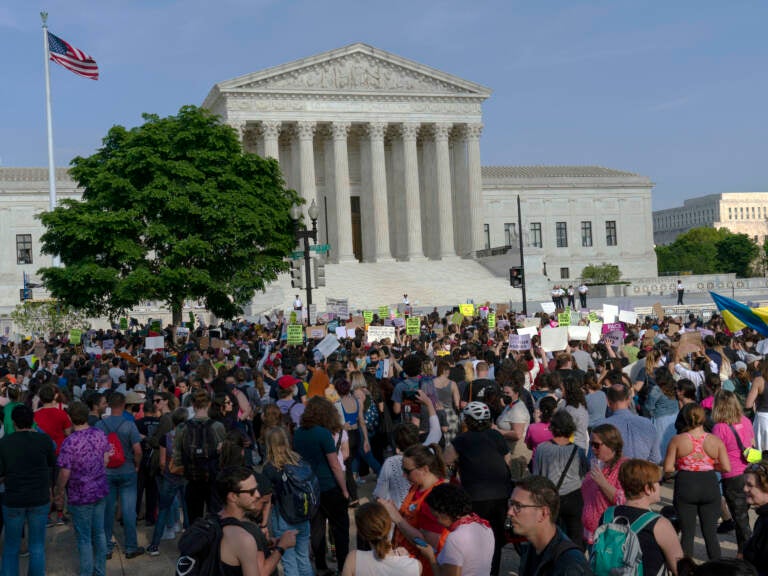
(596, 445)
(157, 400)
(518, 506)
(250, 491)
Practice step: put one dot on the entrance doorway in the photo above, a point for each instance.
(357, 234)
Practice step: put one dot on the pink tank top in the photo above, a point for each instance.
(698, 460)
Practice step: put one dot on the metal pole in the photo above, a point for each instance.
(522, 262)
(49, 122)
(308, 271)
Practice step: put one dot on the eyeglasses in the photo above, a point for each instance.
(517, 506)
(158, 400)
(596, 445)
(407, 471)
(251, 491)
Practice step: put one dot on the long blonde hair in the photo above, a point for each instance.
(279, 452)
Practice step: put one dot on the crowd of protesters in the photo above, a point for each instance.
(471, 445)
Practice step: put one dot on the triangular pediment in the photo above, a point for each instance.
(357, 68)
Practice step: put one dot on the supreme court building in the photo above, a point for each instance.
(389, 149)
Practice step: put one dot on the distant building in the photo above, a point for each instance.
(739, 212)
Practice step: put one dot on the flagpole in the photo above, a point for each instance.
(49, 121)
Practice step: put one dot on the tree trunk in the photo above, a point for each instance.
(176, 310)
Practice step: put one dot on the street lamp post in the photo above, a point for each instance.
(302, 233)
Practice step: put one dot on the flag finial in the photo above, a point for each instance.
(44, 18)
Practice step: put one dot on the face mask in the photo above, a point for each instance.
(507, 399)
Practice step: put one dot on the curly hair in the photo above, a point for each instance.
(449, 499)
(321, 412)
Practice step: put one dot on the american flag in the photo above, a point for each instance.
(71, 58)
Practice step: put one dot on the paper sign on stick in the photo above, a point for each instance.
(595, 331)
(467, 310)
(548, 307)
(413, 326)
(378, 333)
(610, 312)
(578, 332)
(327, 345)
(367, 316)
(383, 311)
(154, 342)
(689, 342)
(519, 342)
(554, 339)
(295, 334)
(457, 318)
(491, 320)
(529, 330)
(628, 317)
(564, 318)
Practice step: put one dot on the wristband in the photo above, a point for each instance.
(280, 549)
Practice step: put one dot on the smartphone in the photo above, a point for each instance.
(420, 542)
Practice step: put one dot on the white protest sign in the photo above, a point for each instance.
(95, 350)
(628, 317)
(554, 339)
(578, 332)
(108, 344)
(519, 342)
(328, 345)
(399, 322)
(532, 322)
(610, 312)
(181, 331)
(154, 343)
(762, 347)
(341, 332)
(528, 330)
(595, 331)
(548, 307)
(614, 339)
(378, 333)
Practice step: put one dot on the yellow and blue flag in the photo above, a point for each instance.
(737, 316)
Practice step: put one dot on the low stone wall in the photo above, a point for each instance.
(667, 285)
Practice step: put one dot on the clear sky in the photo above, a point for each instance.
(674, 90)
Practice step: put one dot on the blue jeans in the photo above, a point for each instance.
(88, 520)
(296, 560)
(35, 517)
(124, 485)
(168, 490)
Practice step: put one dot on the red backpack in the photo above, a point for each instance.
(116, 453)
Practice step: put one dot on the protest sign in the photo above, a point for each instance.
(578, 332)
(123, 323)
(40, 349)
(564, 318)
(315, 331)
(762, 347)
(339, 306)
(529, 330)
(379, 333)
(593, 317)
(491, 320)
(532, 322)
(93, 350)
(595, 331)
(154, 343)
(327, 345)
(312, 308)
(367, 316)
(341, 332)
(649, 337)
(75, 336)
(628, 317)
(108, 345)
(181, 332)
(502, 324)
(413, 326)
(467, 310)
(658, 310)
(554, 339)
(218, 343)
(548, 307)
(689, 342)
(399, 322)
(295, 334)
(610, 312)
(204, 342)
(383, 311)
(356, 322)
(612, 327)
(519, 342)
(332, 325)
(457, 318)
(502, 309)
(614, 339)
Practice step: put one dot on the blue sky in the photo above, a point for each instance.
(676, 91)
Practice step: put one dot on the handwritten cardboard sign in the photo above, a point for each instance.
(295, 334)
(658, 310)
(519, 341)
(379, 333)
(554, 339)
(315, 331)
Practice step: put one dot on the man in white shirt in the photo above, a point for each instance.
(583, 295)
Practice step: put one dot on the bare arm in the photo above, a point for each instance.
(666, 537)
(754, 392)
(137, 455)
(243, 404)
(350, 564)
(669, 459)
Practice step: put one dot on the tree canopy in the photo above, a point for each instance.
(601, 274)
(173, 209)
(708, 251)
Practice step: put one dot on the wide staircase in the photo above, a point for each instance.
(367, 286)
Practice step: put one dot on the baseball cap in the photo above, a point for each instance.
(287, 381)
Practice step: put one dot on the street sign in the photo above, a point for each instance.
(297, 255)
(321, 248)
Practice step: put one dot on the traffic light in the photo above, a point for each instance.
(516, 278)
(319, 272)
(297, 274)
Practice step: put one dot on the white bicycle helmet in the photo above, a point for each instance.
(477, 411)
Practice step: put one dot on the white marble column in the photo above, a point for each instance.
(444, 199)
(379, 191)
(409, 131)
(341, 189)
(461, 196)
(306, 131)
(270, 130)
(475, 185)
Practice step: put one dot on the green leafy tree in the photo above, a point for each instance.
(44, 317)
(601, 274)
(171, 210)
(736, 253)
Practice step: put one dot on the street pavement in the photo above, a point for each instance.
(62, 558)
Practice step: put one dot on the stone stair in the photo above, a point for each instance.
(428, 283)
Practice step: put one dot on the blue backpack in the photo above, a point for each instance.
(297, 493)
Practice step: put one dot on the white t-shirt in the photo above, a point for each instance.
(516, 413)
(471, 547)
(367, 565)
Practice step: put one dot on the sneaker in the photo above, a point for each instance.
(726, 526)
(178, 527)
(169, 534)
(51, 522)
(60, 520)
(153, 551)
(138, 552)
(109, 555)
(24, 554)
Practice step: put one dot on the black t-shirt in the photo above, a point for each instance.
(478, 389)
(483, 471)
(27, 460)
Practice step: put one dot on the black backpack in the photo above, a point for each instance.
(297, 493)
(200, 546)
(199, 451)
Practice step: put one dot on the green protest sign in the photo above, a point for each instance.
(491, 320)
(457, 318)
(292, 318)
(75, 336)
(564, 318)
(383, 312)
(123, 323)
(593, 317)
(413, 326)
(295, 334)
(367, 316)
